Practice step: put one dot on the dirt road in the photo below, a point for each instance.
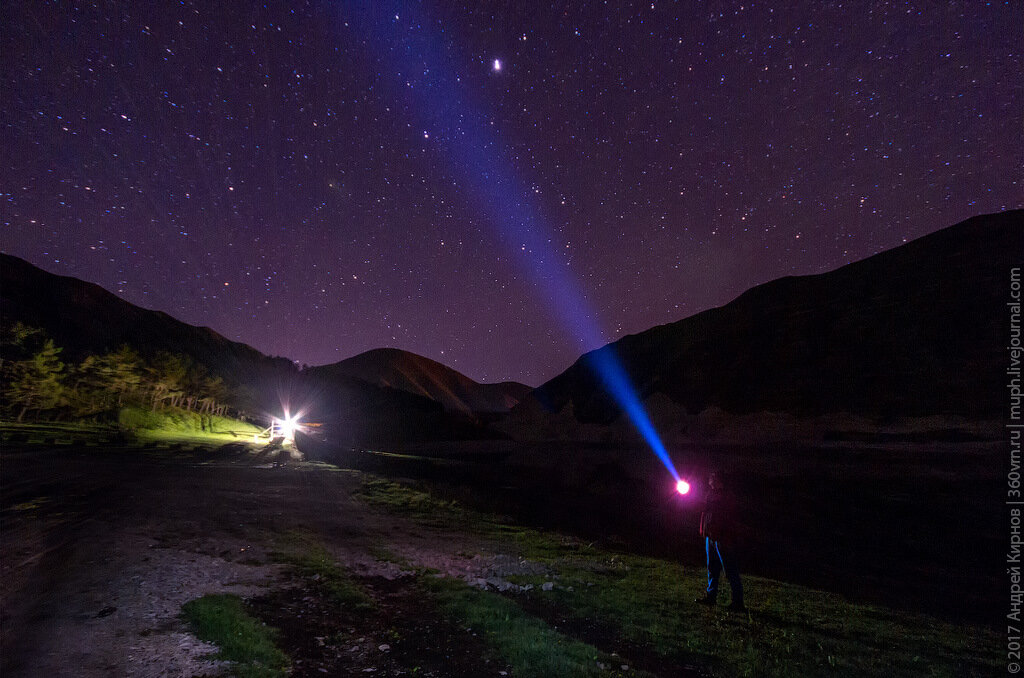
(100, 549)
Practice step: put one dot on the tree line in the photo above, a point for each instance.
(36, 382)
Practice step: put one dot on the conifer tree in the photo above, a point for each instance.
(37, 382)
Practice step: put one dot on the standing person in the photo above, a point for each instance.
(718, 527)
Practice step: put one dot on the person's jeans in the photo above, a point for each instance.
(722, 557)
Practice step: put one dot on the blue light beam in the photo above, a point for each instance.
(609, 368)
(418, 54)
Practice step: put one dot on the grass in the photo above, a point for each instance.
(531, 648)
(417, 504)
(790, 631)
(311, 561)
(178, 425)
(170, 425)
(222, 620)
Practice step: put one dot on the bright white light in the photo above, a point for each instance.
(497, 65)
(286, 427)
(682, 487)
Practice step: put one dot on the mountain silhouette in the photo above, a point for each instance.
(413, 373)
(84, 319)
(918, 330)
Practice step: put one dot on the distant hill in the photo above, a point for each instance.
(918, 330)
(413, 373)
(85, 319)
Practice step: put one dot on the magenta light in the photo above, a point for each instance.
(682, 487)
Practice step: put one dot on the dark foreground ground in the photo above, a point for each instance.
(100, 548)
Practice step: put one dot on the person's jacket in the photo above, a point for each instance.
(718, 520)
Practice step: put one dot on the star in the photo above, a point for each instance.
(497, 65)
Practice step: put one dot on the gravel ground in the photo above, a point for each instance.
(99, 551)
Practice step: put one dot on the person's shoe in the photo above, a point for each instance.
(705, 600)
(737, 607)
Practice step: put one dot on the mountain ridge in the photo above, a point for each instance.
(769, 348)
(84, 318)
(411, 372)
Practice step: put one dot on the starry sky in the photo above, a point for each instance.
(321, 178)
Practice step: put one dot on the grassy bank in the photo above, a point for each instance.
(243, 640)
(645, 604)
(175, 424)
(132, 424)
(530, 646)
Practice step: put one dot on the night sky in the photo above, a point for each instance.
(477, 183)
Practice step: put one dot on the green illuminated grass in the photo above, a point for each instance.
(170, 425)
(223, 621)
(311, 561)
(647, 602)
(532, 648)
(174, 425)
(417, 504)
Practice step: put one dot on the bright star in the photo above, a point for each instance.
(497, 65)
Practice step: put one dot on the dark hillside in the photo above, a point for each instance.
(917, 330)
(84, 319)
(415, 374)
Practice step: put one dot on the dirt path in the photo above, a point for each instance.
(99, 549)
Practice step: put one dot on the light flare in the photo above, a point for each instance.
(286, 427)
